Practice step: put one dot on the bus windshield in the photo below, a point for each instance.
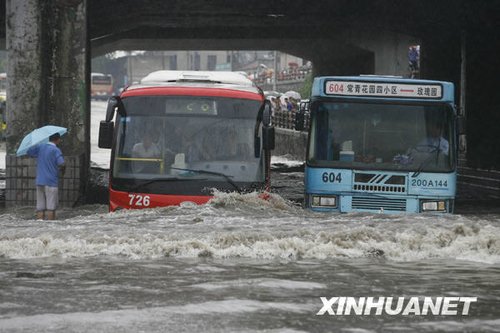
(379, 136)
(187, 138)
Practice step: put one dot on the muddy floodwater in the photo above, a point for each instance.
(240, 264)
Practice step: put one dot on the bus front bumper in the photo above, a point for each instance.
(354, 202)
(132, 200)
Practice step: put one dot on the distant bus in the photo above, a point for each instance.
(101, 86)
(381, 144)
(180, 134)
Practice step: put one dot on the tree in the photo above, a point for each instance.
(305, 91)
(3, 61)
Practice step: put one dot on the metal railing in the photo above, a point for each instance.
(286, 119)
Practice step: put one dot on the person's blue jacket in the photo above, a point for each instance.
(49, 158)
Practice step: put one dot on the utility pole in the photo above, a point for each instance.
(463, 82)
(275, 71)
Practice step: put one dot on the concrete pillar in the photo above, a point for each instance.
(48, 73)
(337, 58)
(482, 102)
(442, 61)
(353, 63)
(440, 56)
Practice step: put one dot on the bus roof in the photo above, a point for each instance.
(374, 87)
(199, 83)
(236, 78)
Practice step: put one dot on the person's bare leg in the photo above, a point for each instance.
(40, 215)
(50, 214)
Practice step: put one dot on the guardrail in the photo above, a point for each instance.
(477, 184)
(286, 119)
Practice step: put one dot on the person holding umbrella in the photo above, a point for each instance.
(42, 145)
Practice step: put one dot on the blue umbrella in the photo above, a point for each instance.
(38, 136)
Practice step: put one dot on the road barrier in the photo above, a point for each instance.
(286, 119)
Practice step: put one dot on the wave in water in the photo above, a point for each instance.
(246, 226)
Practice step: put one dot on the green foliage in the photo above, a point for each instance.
(305, 92)
(3, 61)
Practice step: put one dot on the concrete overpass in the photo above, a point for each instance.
(50, 43)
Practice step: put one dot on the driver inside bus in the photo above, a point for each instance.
(434, 141)
(433, 145)
(146, 149)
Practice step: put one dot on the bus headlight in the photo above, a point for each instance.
(322, 201)
(434, 206)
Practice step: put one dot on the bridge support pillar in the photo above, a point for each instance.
(48, 75)
(443, 62)
(343, 60)
(482, 105)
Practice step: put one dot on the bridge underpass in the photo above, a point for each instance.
(50, 43)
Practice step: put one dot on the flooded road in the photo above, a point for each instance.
(240, 264)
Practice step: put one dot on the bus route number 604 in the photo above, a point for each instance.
(331, 177)
(139, 200)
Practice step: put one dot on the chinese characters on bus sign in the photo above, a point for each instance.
(383, 89)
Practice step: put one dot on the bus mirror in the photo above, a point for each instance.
(114, 103)
(266, 115)
(256, 146)
(268, 138)
(461, 128)
(106, 129)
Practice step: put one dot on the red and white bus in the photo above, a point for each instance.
(101, 86)
(180, 134)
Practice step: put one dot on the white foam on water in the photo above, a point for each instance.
(482, 246)
(10, 306)
(468, 325)
(357, 330)
(251, 200)
(286, 160)
(233, 226)
(277, 330)
(261, 283)
(132, 317)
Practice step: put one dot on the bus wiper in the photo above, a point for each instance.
(424, 164)
(228, 178)
(154, 180)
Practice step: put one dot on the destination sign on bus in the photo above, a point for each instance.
(191, 105)
(383, 89)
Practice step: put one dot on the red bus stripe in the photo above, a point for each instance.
(192, 91)
(119, 199)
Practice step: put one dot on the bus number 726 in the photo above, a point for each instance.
(139, 200)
